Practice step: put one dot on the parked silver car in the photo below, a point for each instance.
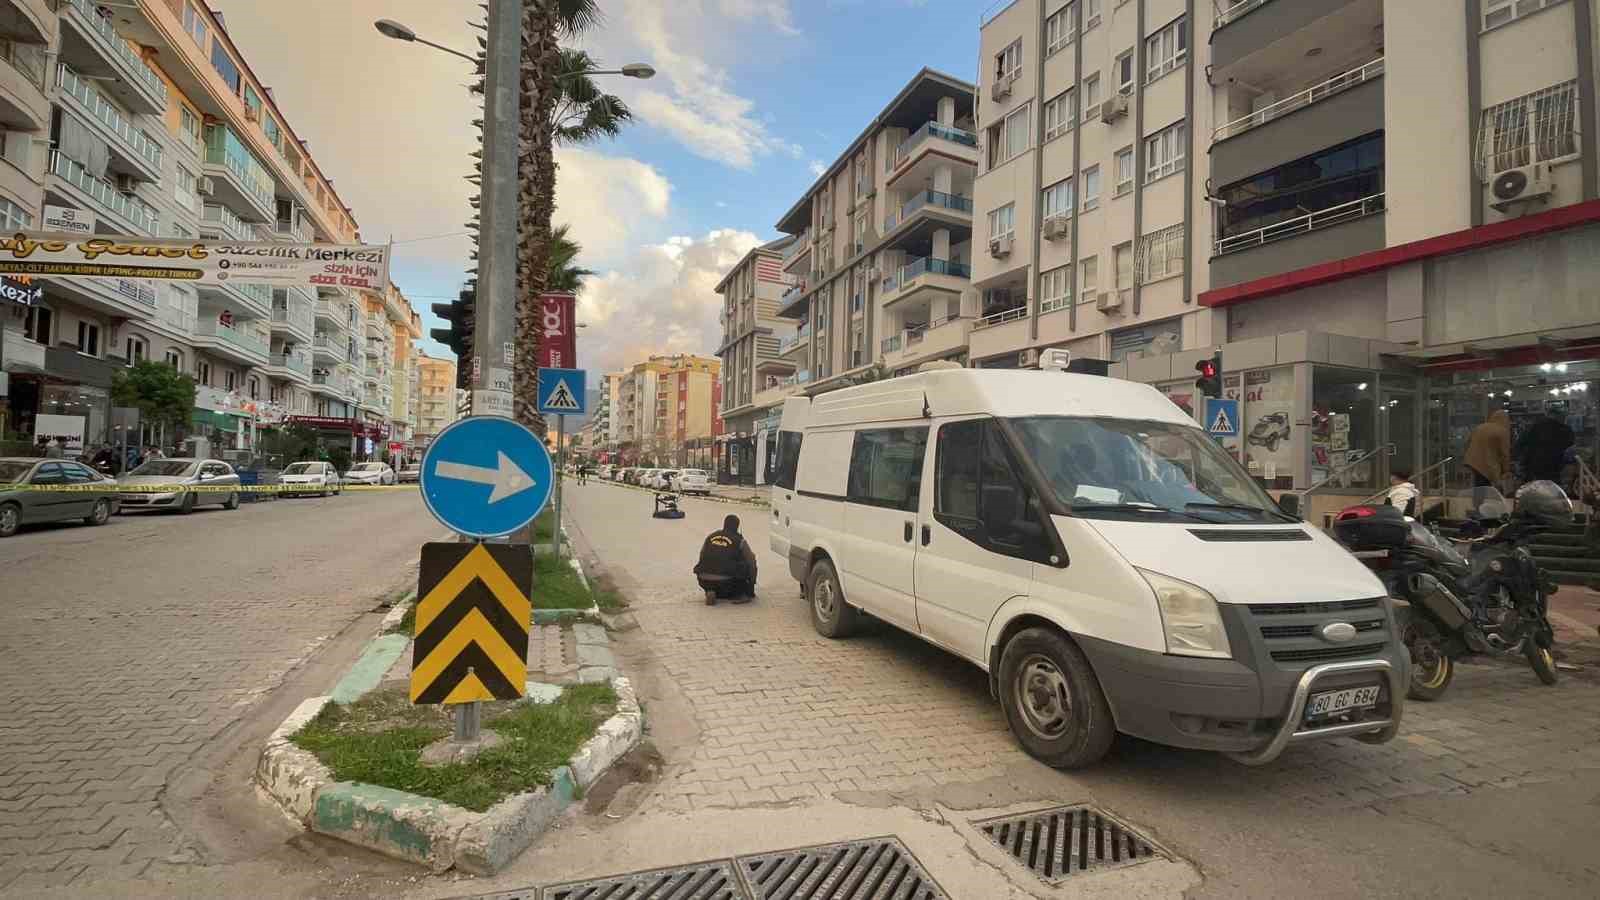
(92, 497)
(179, 473)
(319, 478)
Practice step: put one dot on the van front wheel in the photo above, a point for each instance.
(830, 615)
(1052, 700)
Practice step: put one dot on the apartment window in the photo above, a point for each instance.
(1008, 138)
(1091, 188)
(174, 359)
(1166, 49)
(1055, 289)
(252, 101)
(1125, 72)
(1161, 254)
(1347, 174)
(1124, 161)
(194, 22)
(190, 125)
(135, 350)
(886, 467)
(1091, 14)
(229, 380)
(13, 217)
(1122, 257)
(1060, 114)
(36, 324)
(1002, 221)
(1537, 127)
(1058, 29)
(253, 387)
(1164, 152)
(269, 127)
(185, 190)
(1091, 96)
(1008, 62)
(225, 66)
(1090, 269)
(89, 338)
(1058, 199)
(1499, 12)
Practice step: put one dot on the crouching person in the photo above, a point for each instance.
(727, 566)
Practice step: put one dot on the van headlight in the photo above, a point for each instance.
(1190, 619)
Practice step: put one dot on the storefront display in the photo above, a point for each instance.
(1267, 425)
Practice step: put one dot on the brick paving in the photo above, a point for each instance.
(128, 648)
(786, 715)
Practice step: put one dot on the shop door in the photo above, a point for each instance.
(1397, 417)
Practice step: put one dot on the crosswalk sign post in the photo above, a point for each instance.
(1222, 417)
(561, 392)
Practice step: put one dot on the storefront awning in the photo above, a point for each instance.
(219, 421)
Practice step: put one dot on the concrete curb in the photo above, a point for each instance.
(379, 654)
(391, 619)
(553, 616)
(754, 501)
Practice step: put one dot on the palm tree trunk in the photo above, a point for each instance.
(536, 177)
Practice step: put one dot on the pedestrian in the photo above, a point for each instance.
(52, 449)
(727, 566)
(1402, 493)
(1542, 449)
(1489, 456)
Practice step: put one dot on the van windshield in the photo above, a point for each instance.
(1122, 468)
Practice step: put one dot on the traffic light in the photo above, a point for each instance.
(1210, 381)
(461, 314)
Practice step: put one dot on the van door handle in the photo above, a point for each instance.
(927, 535)
(908, 532)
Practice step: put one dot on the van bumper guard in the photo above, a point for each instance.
(1373, 732)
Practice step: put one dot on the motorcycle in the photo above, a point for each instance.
(1492, 600)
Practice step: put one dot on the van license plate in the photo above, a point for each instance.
(1329, 703)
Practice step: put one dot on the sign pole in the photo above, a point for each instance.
(561, 459)
(495, 322)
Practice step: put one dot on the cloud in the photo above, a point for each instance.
(663, 301)
(817, 167)
(607, 201)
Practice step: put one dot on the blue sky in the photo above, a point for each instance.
(751, 96)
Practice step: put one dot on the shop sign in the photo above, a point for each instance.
(65, 430)
(21, 289)
(1158, 339)
(360, 267)
(68, 220)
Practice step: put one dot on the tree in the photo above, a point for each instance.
(162, 394)
(561, 274)
(582, 112)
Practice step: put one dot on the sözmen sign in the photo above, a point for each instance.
(360, 267)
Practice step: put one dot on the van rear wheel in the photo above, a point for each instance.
(1052, 700)
(830, 614)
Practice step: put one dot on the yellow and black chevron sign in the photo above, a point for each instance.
(472, 623)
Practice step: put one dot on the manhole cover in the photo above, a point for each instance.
(875, 869)
(700, 881)
(1056, 843)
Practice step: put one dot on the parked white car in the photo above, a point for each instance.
(692, 481)
(319, 478)
(662, 479)
(370, 473)
(1082, 540)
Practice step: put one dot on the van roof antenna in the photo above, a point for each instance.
(927, 411)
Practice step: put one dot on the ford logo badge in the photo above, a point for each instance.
(1337, 632)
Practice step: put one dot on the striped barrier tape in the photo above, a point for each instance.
(201, 488)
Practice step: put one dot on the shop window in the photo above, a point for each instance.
(1343, 427)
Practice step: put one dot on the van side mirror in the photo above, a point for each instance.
(1290, 503)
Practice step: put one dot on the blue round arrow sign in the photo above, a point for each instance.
(485, 476)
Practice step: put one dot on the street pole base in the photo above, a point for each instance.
(448, 751)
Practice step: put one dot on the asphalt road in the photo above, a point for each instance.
(130, 652)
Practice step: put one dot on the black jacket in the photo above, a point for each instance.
(727, 554)
(1543, 448)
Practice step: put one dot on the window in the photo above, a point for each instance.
(49, 473)
(174, 359)
(1161, 254)
(14, 218)
(1008, 62)
(1091, 277)
(269, 127)
(1164, 152)
(89, 338)
(1058, 29)
(1060, 114)
(1536, 127)
(202, 372)
(979, 495)
(1349, 174)
(230, 380)
(1091, 188)
(194, 22)
(253, 387)
(1125, 72)
(1122, 255)
(36, 324)
(190, 125)
(185, 190)
(1091, 14)
(1008, 138)
(1055, 289)
(1499, 12)
(1124, 160)
(78, 474)
(252, 101)
(1091, 96)
(886, 467)
(1003, 221)
(1166, 49)
(135, 350)
(225, 66)
(1058, 199)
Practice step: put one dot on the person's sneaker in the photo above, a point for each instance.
(711, 598)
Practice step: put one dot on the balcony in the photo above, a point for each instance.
(23, 105)
(794, 342)
(296, 231)
(294, 319)
(249, 300)
(21, 354)
(938, 338)
(952, 209)
(375, 348)
(797, 252)
(131, 148)
(1317, 92)
(330, 347)
(330, 311)
(92, 46)
(231, 343)
(220, 223)
(290, 367)
(951, 143)
(922, 275)
(1256, 38)
(1338, 232)
(130, 214)
(331, 384)
(1335, 110)
(241, 182)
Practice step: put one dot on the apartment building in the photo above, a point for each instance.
(436, 397)
(1384, 214)
(754, 338)
(665, 406)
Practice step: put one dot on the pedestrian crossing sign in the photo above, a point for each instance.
(1222, 417)
(561, 391)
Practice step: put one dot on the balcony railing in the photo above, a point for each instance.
(102, 110)
(903, 152)
(1001, 317)
(1322, 218)
(1310, 95)
(29, 59)
(142, 215)
(801, 377)
(1238, 10)
(331, 345)
(926, 198)
(793, 341)
(921, 266)
(120, 47)
(230, 335)
(889, 344)
(226, 222)
(295, 363)
(295, 316)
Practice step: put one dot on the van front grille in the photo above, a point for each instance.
(1325, 654)
(1301, 609)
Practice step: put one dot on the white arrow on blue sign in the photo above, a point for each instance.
(485, 476)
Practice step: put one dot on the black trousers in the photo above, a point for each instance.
(728, 587)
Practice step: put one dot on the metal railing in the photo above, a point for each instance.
(889, 344)
(106, 113)
(1238, 10)
(1322, 218)
(297, 315)
(1001, 317)
(142, 215)
(252, 176)
(1317, 92)
(120, 48)
(295, 363)
(225, 221)
(1335, 476)
(29, 59)
(1419, 479)
(924, 265)
(903, 152)
(230, 335)
(331, 345)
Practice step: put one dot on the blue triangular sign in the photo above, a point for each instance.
(1221, 424)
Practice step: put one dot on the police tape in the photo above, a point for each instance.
(202, 488)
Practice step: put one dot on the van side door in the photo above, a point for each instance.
(882, 497)
(785, 469)
(980, 539)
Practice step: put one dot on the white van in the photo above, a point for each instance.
(1084, 542)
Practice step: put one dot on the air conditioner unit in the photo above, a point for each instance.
(1000, 90)
(1114, 108)
(1027, 358)
(1521, 185)
(207, 187)
(1000, 246)
(1108, 301)
(1057, 228)
(127, 184)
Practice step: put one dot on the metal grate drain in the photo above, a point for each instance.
(700, 881)
(874, 869)
(1056, 843)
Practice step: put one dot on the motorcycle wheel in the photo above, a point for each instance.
(1272, 444)
(1431, 669)
(1541, 659)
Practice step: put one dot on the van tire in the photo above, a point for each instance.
(1050, 662)
(830, 614)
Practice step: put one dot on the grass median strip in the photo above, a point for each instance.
(379, 739)
(557, 586)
